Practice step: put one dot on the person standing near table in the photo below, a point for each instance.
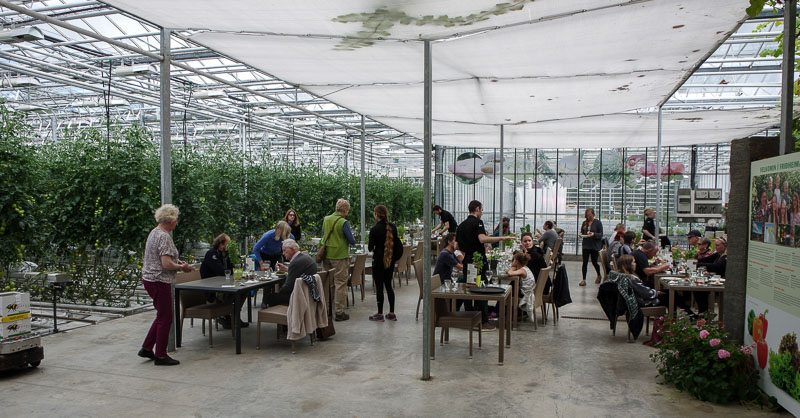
(386, 248)
(592, 234)
(300, 263)
(447, 260)
(471, 236)
(159, 266)
(446, 221)
(649, 226)
(337, 239)
(294, 223)
(268, 248)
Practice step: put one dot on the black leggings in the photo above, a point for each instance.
(593, 253)
(382, 277)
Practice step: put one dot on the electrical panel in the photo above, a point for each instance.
(699, 205)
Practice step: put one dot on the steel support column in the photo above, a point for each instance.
(658, 180)
(502, 160)
(787, 78)
(363, 184)
(427, 214)
(166, 144)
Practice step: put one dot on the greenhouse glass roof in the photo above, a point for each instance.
(585, 74)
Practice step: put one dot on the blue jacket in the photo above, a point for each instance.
(268, 245)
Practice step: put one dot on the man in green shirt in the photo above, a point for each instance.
(337, 239)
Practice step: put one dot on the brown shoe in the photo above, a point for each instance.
(341, 317)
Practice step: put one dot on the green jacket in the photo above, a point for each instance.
(336, 247)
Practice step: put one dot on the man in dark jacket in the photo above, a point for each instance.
(299, 264)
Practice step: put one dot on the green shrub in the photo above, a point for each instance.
(697, 357)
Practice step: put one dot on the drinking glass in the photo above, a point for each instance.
(228, 275)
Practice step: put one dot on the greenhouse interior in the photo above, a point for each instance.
(537, 173)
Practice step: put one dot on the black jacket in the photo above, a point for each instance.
(215, 263)
(377, 241)
(714, 263)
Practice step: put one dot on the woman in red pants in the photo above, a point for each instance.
(159, 267)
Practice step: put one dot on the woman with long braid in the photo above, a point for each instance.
(386, 249)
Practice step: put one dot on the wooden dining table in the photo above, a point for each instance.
(684, 285)
(220, 284)
(461, 291)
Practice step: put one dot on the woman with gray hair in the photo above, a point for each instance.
(159, 267)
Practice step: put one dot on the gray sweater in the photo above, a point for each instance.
(301, 264)
(549, 238)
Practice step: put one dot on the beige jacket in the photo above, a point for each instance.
(305, 314)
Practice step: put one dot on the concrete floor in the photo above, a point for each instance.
(575, 368)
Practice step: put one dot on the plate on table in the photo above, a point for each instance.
(490, 290)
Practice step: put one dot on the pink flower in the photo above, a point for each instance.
(723, 354)
(714, 342)
(704, 334)
(746, 349)
(701, 323)
(676, 353)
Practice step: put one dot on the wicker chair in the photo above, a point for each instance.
(445, 319)
(194, 305)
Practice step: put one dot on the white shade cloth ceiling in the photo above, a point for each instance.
(555, 73)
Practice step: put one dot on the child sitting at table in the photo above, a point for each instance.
(519, 267)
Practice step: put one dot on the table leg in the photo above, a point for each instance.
(515, 302)
(721, 304)
(510, 308)
(237, 318)
(671, 302)
(249, 308)
(177, 310)
(501, 330)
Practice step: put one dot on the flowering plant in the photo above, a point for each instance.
(696, 356)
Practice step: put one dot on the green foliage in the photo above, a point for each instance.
(784, 366)
(687, 359)
(756, 6)
(20, 186)
(477, 260)
(85, 204)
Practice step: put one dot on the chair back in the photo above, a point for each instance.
(440, 306)
(358, 270)
(416, 253)
(326, 276)
(440, 244)
(604, 263)
(548, 257)
(557, 248)
(418, 274)
(190, 298)
(402, 264)
(541, 282)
